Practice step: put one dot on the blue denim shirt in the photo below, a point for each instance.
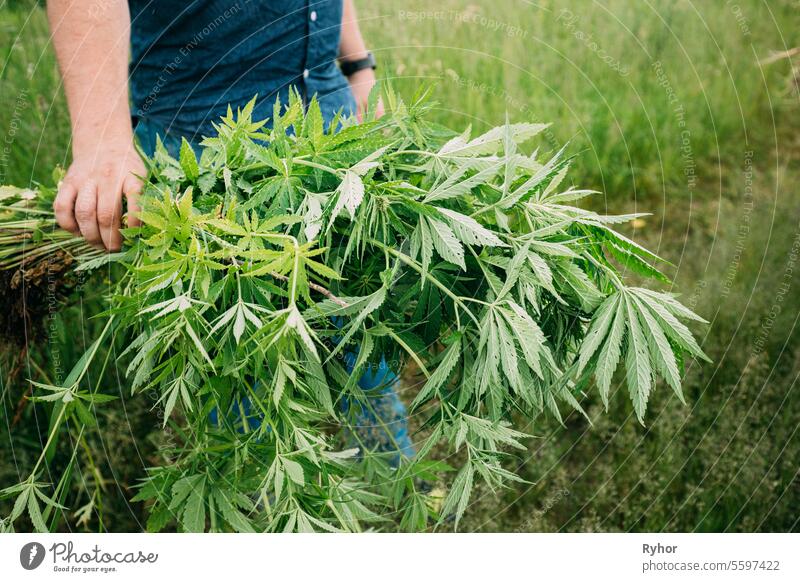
(191, 58)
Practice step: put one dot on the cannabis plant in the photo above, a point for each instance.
(271, 272)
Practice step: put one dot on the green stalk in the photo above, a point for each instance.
(414, 265)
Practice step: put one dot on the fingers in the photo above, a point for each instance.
(131, 188)
(64, 207)
(89, 202)
(109, 211)
(91, 205)
(86, 213)
(92, 211)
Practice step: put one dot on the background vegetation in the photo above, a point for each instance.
(673, 110)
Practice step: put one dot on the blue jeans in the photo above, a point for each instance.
(380, 424)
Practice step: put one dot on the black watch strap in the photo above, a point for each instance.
(350, 67)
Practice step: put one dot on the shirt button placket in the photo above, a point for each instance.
(309, 60)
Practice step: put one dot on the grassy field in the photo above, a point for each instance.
(668, 109)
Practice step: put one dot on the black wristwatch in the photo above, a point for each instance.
(350, 67)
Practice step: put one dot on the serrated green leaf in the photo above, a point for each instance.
(637, 361)
(608, 359)
(188, 161)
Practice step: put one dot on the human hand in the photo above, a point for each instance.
(361, 83)
(89, 200)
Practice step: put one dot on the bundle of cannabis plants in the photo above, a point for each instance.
(271, 272)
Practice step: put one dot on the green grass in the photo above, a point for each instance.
(624, 124)
(34, 125)
(729, 459)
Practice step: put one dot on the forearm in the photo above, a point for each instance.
(353, 48)
(92, 47)
(351, 45)
(91, 41)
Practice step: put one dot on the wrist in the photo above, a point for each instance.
(109, 133)
(96, 143)
(362, 77)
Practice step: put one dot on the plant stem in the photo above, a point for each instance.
(413, 264)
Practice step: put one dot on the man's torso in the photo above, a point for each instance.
(190, 59)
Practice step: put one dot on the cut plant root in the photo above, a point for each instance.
(30, 293)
